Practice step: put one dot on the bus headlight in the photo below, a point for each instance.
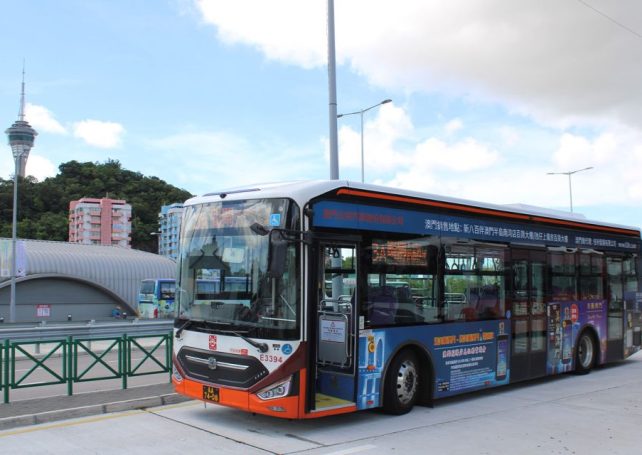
(277, 390)
(177, 374)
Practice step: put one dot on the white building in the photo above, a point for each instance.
(169, 220)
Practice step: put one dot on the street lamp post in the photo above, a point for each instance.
(21, 138)
(361, 112)
(158, 236)
(570, 188)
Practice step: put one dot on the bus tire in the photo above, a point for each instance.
(402, 384)
(585, 353)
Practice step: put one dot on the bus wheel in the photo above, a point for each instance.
(401, 387)
(585, 354)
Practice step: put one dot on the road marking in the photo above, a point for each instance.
(81, 421)
(353, 450)
(165, 407)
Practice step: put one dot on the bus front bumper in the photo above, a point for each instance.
(287, 407)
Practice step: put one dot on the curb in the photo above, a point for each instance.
(8, 423)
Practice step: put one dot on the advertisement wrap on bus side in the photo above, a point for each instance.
(632, 322)
(565, 321)
(465, 357)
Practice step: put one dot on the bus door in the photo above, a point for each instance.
(528, 315)
(332, 382)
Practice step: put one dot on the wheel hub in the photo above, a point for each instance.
(406, 382)
(586, 352)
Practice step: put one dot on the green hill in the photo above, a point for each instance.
(43, 207)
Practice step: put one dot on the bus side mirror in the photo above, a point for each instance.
(277, 254)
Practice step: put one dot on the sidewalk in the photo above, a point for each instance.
(50, 409)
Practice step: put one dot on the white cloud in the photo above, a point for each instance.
(396, 155)
(463, 156)
(41, 118)
(391, 144)
(272, 28)
(471, 170)
(40, 167)
(37, 166)
(617, 160)
(98, 133)
(561, 63)
(381, 129)
(573, 152)
(466, 168)
(453, 126)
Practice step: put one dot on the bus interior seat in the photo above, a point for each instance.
(404, 295)
(468, 312)
(407, 310)
(488, 302)
(382, 304)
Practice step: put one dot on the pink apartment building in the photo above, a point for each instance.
(100, 222)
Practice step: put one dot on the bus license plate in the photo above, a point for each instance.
(210, 393)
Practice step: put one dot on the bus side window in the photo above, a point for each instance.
(382, 305)
(401, 277)
(474, 283)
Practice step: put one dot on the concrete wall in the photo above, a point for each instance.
(65, 297)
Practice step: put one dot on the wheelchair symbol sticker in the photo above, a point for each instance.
(275, 219)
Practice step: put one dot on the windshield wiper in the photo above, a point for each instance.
(262, 347)
(185, 325)
(190, 322)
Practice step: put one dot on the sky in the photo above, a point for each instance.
(488, 96)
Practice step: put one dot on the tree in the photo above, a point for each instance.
(43, 207)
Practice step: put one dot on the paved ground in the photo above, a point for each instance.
(41, 410)
(599, 413)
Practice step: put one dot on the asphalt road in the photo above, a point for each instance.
(599, 413)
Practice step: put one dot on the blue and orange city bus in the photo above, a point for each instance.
(356, 296)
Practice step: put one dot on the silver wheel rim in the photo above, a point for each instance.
(586, 352)
(406, 382)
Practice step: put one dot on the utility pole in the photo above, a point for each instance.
(332, 91)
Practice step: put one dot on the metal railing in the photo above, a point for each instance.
(71, 354)
(90, 329)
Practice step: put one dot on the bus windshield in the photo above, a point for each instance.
(224, 284)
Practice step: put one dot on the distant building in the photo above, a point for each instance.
(100, 222)
(57, 279)
(169, 220)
